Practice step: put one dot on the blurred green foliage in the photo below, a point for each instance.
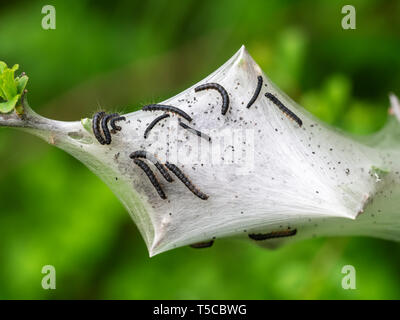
(120, 54)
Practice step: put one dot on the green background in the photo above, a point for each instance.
(119, 55)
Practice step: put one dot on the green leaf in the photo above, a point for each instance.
(9, 105)
(1, 91)
(15, 67)
(9, 87)
(3, 66)
(21, 83)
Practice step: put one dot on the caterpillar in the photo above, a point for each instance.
(162, 107)
(150, 174)
(194, 131)
(271, 235)
(114, 120)
(179, 174)
(257, 92)
(96, 126)
(100, 120)
(153, 123)
(221, 90)
(157, 164)
(104, 126)
(282, 107)
(202, 245)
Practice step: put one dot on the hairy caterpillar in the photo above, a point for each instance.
(282, 107)
(221, 90)
(153, 123)
(100, 120)
(202, 245)
(162, 107)
(257, 92)
(271, 235)
(116, 119)
(194, 131)
(158, 165)
(96, 126)
(150, 174)
(179, 174)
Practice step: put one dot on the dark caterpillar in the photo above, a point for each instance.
(179, 174)
(202, 245)
(257, 92)
(282, 107)
(104, 126)
(151, 177)
(194, 131)
(153, 123)
(100, 120)
(271, 235)
(114, 120)
(96, 126)
(162, 107)
(221, 90)
(158, 165)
